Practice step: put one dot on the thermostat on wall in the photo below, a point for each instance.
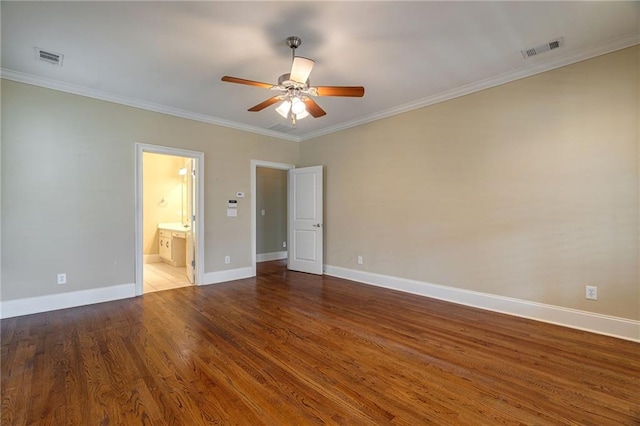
(233, 204)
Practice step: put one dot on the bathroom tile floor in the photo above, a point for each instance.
(162, 276)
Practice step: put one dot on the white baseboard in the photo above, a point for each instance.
(151, 258)
(52, 302)
(588, 321)
(227, 275)
(265, 257)
(602, 324)
(34, 305)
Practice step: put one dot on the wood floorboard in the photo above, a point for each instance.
(287, 348)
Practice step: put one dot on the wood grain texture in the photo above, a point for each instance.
(237, 80)
(351, 91)
(290, 348)
(262, 105)
(314, 109)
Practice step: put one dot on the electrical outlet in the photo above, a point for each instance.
(227, 259)
(359, 260)
(62, 278)
(284, 244)
(591, 292)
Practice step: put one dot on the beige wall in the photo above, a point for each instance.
(68, 188)
(163, 196)
(527, 190)
(271, 196)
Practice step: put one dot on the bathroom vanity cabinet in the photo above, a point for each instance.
(173, 245)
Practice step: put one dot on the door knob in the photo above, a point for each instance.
(317, 225)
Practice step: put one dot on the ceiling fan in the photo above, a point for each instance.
(296, 89)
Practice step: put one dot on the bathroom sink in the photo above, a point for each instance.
(178, 227)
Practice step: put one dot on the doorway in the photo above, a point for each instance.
(168, 207)
(267, 216)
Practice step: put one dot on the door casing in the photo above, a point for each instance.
(138, 252)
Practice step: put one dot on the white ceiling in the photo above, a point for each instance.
(170, 56)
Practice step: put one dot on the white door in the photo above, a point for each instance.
(191, 220)
(305, 220)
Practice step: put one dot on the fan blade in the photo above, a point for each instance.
(263, 105)
(313, 108)
(247, 82)
(351, 91)
(301, 69)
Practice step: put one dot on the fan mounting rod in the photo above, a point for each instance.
(294, 42)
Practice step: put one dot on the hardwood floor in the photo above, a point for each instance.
(295, 349)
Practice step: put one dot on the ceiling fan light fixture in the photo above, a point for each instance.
(284, 108)
(293, 108)
(297, 106)
(302, 115)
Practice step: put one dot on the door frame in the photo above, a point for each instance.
(254, 166)
(141, 148)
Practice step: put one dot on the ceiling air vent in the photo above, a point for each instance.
(554, 44)
(281, 128)
(50, 57)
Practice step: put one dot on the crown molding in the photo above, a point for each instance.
(21, 77)
(539, 67)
